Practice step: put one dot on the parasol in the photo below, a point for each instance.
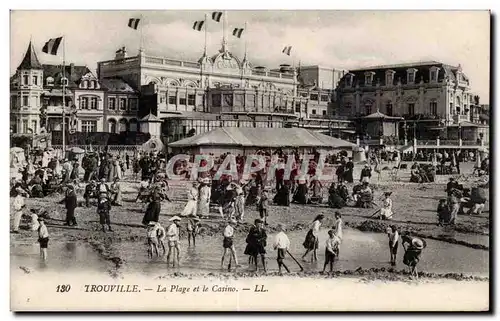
(76, 150)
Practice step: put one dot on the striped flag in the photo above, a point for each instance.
(216, 16)
(287, 50)
(237, 32)
(52, 46)
(198, 25)
(133, 23)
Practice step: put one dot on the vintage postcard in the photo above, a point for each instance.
(224, 160)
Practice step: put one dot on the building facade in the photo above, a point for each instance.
(37, 99)
(431, 96)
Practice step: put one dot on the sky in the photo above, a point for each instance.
(338, 39)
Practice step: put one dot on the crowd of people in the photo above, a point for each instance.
(45, 174)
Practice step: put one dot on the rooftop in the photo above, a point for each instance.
(30, 60)
(402, 65)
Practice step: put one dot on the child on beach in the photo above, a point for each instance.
(393, 235)
(281, 244)
(193, 227)
(331, 250)
(43, 238)
(227, 244)
(263, 205)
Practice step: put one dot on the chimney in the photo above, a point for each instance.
(71, 70)
(121, 53)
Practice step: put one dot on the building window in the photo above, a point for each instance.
(324, 112)
(64, 81)
(368, 79)
(411, 75)
(297, 107)
(314, 97)
(325, 98)
(133, 103)
(13, 101)
(303, 94)
(50, 81)
(33, 126)
(84, 103)
(25, 126)
(172, 99)
(388, 109)
(433, 76)
(368, 109)
(93, 103)
(451, 108)
(89, 126)
(313, 111)
(411, 109)
(25, 80)
(90, 84)
(191, 99)
(35, 80)
(25, 100)
(349, 79)
(123, 104)
(216, 100)
(182, 101)
(112, 103)
(228, 100)
(434, 108)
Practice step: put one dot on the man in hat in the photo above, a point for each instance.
(18, 208)
(70, 201)
(348, 172)
(263, 204)
(281, 244)
(366, 174)
(192, 203)
(43, 238)
(413, 247)
(103, 208)
(227, 244)
(256, 243)
(193, 227)
(173, 240)
(90, 192)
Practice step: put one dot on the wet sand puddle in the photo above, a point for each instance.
(359, 249)
(75, 256)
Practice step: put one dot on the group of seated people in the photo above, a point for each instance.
(424, 173)
(362, 195)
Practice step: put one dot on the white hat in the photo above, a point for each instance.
(205, 180)
(175, 218)
(417, 243)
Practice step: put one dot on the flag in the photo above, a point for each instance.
(216, 16)
(52, 45)
(198, 25)
(237, 32)
(287, 50)
(133, 23)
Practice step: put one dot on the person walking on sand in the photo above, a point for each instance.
(393, 235)
(193, 227)
(338, 226)
(331, 250)
(263, 204)
(71, 204)
(256, 244)
(43, 238)
(192, 203)
(173, 241)
(311, 243)
(18, 209)
(156, 234)
(281, 244)
(103, 208)
(227, 244)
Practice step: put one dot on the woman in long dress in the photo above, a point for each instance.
(192, 203)
(204, 198)
(311, 243)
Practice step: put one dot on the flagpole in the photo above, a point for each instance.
(141, 45)
(64, 98)
(224, 27)
(206, 31)
(246, 38)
